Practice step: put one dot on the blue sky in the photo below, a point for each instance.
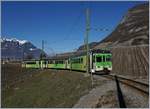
(60, 24)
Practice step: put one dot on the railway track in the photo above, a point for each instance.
(140, 86)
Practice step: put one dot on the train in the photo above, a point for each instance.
(99, 60)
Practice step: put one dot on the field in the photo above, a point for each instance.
(10, 72)
(47, 88)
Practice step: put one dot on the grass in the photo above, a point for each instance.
(10, 72)
(49, 88)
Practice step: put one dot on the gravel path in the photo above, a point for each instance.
(98, 97)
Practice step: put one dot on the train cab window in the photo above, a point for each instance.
(108, 58)
(98, 59)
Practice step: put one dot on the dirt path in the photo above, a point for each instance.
(98, 97)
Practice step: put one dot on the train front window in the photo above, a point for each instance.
(98, 59)
(108, 58)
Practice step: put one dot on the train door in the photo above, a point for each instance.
(93, 62)
(68, 64)
(104, 61)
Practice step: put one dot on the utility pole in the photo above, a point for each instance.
(86, 39)
(87, 44)
(42, 54)
(42, 46)
(42, 49)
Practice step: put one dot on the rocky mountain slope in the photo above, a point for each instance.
(91, 45)
(132, 30)
(13, 48)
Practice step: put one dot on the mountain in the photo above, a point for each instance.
(91, 45)
(132, 30)
(13, 48)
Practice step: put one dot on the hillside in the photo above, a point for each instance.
(132, 30)
(44, 89)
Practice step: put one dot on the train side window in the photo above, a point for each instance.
(60, 62)
(50, 62)
(31, 62)
(81, 60)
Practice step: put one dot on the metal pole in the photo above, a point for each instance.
(42, 47)
(87, 45)
(42, 54)
(86, 39)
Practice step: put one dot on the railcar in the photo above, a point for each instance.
(31, 64)
(99, 60)
(57, 64)
(78, 63)
(34, 64)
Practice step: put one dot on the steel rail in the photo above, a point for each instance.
(121, 79)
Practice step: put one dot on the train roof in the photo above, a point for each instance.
(65, 56)
(100, 51)
(31, 59)
(78, 53)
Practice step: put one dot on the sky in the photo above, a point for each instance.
(60, 24)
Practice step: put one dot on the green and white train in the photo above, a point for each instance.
(99, 60)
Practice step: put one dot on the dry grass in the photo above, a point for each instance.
(49, 88)
(10, 72)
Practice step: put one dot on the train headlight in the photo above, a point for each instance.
(92, 70)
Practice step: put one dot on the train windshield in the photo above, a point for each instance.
(108, 58)
(98, 59)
